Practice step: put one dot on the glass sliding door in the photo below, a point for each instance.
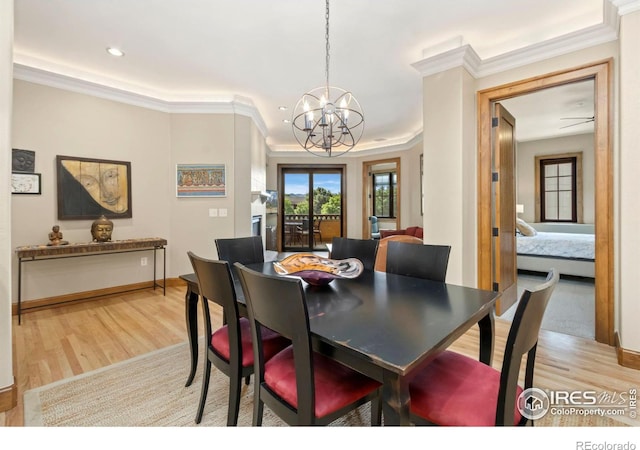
(312, 207)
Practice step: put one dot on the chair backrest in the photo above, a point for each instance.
(374, 224)
(381, 257)
(245, 250)
(421, 261)
(363, 249)
(279, 303)
(215, 284)
(522, 339)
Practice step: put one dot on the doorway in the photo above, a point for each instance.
(381, 194)
(312, 205)
(600, 73)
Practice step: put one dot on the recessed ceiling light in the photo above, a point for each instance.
(286, 120)
(115, 51)
(282, 108)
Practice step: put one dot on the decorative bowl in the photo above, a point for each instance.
(316, 270)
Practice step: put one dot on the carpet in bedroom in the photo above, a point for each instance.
(571, 309)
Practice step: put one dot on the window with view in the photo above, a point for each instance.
(558, 196)
(385, 189)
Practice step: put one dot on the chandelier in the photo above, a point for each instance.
(328, 121)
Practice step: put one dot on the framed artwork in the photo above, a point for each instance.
(25, 183)
(23, 160)
(89, 188)
(201, 180)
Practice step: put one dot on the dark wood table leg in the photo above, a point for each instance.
(487, 331)
(191, 314)
(396, 402)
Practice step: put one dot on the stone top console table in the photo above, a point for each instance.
(44, 252)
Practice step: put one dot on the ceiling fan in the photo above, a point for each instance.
(583, 120)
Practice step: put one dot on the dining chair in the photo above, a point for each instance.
(299, 385)
(422, 261)
(229, 348)
(381, 256)
(363, 249)
(316, 230)
(246, 250)
(303, 232)
(456, 390)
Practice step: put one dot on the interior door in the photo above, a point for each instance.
(368, 194)
(504, 213)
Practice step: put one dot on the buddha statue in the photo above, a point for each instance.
(55, 236)
(101, 229)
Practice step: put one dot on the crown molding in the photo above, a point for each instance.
(373, 148)
(466, 57)
(192, 104)
(626, 6)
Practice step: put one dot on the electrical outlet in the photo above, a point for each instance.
(143, 261)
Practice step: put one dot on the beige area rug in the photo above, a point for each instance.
(149, 391)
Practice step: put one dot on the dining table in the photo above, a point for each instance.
(383, 325)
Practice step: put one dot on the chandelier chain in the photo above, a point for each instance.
(327, 121)
(326, 36)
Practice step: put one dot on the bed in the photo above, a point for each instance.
(570, 248)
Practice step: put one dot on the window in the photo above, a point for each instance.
(558, 194)
(385, 189)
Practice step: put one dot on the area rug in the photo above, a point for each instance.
(149, 391)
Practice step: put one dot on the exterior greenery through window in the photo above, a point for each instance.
(558, 199)
(324, 202)
(385, 188)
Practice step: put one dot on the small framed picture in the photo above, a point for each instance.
(25, 183)
(23, 160)
(201, 180)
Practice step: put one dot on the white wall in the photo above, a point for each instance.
(199, 139)
(629, 180)
(525, 177)
(6, 254)
(450, 170)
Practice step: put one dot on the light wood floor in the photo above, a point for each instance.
(62, 342)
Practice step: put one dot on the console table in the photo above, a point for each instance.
(44, 252)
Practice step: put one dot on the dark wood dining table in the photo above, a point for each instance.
(383, 325)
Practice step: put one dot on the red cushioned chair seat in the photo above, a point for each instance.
(272, 342)
(335, 385)
(458, 391)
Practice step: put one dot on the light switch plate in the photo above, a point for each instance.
(223, 212)
(213, 212)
